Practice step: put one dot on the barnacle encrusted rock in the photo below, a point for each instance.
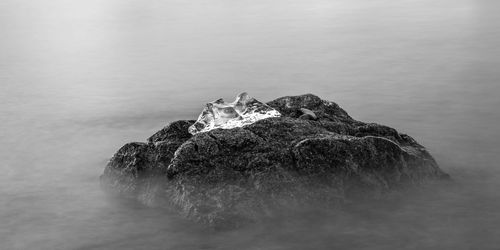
(243, 111)
(314, 154)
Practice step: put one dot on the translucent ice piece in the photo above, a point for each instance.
(243, 111)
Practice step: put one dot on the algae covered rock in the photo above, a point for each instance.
(314, 154)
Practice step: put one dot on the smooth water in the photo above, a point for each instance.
(78, 79)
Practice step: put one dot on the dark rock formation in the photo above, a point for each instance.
(226, 177)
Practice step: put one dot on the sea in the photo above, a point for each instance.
(80, 78)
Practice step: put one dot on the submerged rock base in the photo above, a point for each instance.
(315, 154)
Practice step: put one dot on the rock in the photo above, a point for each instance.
(174, 132)
(307, 114)
(230, 177)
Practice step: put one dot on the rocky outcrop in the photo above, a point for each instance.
(315, 154)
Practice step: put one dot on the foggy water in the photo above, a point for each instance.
(78, 79)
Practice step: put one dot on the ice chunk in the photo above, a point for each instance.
(243, 111)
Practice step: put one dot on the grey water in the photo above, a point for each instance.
(78, 79)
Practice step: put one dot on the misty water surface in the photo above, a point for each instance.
(78, 79)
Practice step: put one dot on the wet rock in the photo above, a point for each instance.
(174, 132)
(229, 177)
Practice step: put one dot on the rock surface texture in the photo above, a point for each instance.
(315, 154)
